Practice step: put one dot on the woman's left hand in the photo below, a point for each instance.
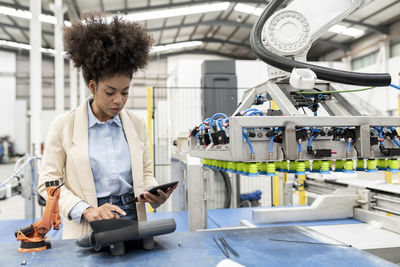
(157, 199)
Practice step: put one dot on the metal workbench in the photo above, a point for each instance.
(254, 246)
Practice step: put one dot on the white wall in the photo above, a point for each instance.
(8, 96)
(249, 73)
(21, 127)
(142, 113)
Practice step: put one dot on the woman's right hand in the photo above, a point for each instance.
(104, 212)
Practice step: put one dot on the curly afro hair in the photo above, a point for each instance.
(102, 49)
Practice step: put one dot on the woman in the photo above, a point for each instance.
(101, 150)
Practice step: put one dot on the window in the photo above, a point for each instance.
(395, 49)
(363, 61)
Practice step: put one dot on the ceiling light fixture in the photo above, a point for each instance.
(175, 46)
(174, 12)
(25, 46)
(349, 31)
(155, 49)
(248, 9)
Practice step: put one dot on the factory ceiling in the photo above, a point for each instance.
(210, 27)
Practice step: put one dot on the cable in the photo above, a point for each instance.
(379, 130)
(395, 86)
(254, 113)
(271, 144)
(56, 189)
(219, 122)
(310, 141)
(348, 146)
(335, 92)
(396, 142)
(228, 192)
(394, 139)
(213, 117)
(323, 73)
(251, 109)
(312, 137)
(248, 142)
(226, 121)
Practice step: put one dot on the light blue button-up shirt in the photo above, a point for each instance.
(109, 159)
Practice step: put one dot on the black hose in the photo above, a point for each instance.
(323, 73)
(56, 189)
(228, 191)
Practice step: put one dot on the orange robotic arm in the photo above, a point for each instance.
(33, 236)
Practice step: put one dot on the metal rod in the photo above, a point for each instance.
(386, 199)
(222, 250)
(18, 171)
(225, 243)
(385, 210)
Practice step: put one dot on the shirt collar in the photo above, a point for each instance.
(92, 119)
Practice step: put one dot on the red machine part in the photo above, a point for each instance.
(33, 237)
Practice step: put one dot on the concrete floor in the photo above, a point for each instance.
(13, 208)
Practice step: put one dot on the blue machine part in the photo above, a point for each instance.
(251, 196)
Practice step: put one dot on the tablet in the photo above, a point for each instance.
(163, 187)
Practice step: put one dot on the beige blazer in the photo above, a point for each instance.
(66, 158)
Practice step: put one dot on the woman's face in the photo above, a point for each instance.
(109, 96)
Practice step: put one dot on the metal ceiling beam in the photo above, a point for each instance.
(178, 32)
(186, 3)
(23, 28)
(228, 12)
(24, 34)
(125, 6)
(102, 5)
(182, 22)
(339, 46)
(7, 33)
(73, 10)
(163, 26)
(197, 26)
(362, 21)
(214, 40)
(380, 10)
(219, 22)
(333, 44)
(201, 51)
(236, 29)
(374, 28)
(368, 17)
(22, 7)
(16, 23)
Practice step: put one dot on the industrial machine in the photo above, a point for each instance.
(23, 182)
(33, 236)
(299, 121)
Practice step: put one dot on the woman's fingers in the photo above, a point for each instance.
(157, 199)
(116, 209)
